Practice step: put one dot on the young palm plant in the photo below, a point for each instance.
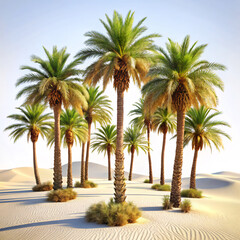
(105, 141)
(98, 111)
(73, 129)
(180, 80)
(121, 54)
(32, 121)
(54, 82)
(134, 140)
(164, 121)
(202, 130)
(143, 119)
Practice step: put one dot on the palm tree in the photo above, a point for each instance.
(73, 129)
(134, 140)
(180, 80)
(202, 131)
(164, 121)
(105, 141)
(99, 110)
(32, 121)
(143, 119)
(56, 83)
(121, 54)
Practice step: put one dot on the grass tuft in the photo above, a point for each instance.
(113, 214)
(62, 195)
(186, 206)
(146, 181)
(160, 187)
(87, 184)
(46, 186)
(166, 203)
(191, 193)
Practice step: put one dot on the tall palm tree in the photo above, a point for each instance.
(98, 110)
(134, 140)
(121, 54)
(143, 119)
(164, 121)
(54, 82)
(105, 141)
(180, 80)
(202, 130)
(32, 121)
(73, 129)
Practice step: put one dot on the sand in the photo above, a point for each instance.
(27, 215)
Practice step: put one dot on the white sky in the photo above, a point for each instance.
(26, 26)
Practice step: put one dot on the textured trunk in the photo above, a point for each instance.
(88, 148)
(57, 170)
(119, 183)
(83, 165)
(149, 155)
(69, 175)
(131, 165)
(35, 166)
(193, 172)
(109, 163)
(162, 178)
(175, 197)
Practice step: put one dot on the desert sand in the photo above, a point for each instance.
(26, 215)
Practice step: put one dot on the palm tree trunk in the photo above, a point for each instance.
(109, 163)
(193, 172)
(149, 155)
(83, 165)
(88, 148)
(162, 178)
(57, 170)
(35, 166)
(131, 165)
(69, 175)
(175, 196)
(119, 183)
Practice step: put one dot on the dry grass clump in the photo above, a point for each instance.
(46, 186)
(160, 187)
(62, 195)
(186, 206)
(113, 214)
(166, 203)
(146, 181)
(87, 184)
(191, 193)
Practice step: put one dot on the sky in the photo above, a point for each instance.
(26, 26)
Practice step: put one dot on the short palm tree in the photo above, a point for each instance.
(143, 119)
(179, 80)
(134, 140)
(73, 129)
(98, 111)
(164, 121)
(105, 141)
(202, 130)
(56, 83)
(32, 121)
(121, 53)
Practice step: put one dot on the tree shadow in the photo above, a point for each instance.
(149, 209)
(79, 223)
(25, 200)
(10, 191)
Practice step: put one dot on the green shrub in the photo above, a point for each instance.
(46, 186)
(62, 195)
(191, 193)
(87, 184)
(113, 214)
(146, 181)
(186, 206)
(160, 187)
(166, 202)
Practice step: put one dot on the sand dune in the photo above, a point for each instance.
(27, 215)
